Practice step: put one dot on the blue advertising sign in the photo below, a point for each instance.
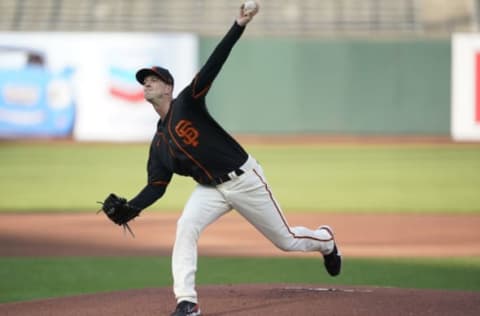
(35, 102)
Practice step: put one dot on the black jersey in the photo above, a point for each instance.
(188, 141)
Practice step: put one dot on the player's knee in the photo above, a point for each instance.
(283, 245)
(186, 228)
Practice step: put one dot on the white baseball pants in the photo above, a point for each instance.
(251, 196)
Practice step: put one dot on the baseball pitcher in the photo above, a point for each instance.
(188, 141)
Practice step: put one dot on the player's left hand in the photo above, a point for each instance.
(246, 16)
(118, 210)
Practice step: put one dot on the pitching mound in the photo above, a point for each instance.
(251, 300)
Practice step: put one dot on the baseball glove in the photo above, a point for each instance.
(119, 211)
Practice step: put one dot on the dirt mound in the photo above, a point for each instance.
(252, 300)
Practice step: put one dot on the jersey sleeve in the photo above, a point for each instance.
(207, 74)
(158, 179)
(147, 196)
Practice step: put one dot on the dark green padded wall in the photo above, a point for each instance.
(333, 86)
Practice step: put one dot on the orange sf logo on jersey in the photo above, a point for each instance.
(187, 132)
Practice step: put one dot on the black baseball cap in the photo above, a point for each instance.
(158, 71)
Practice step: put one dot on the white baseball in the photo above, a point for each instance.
(249, 6)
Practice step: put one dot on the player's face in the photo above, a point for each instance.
(154, 88)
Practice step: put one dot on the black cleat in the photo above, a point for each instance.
(186, 308)
(333, 262)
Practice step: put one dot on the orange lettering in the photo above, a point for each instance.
(187, 132)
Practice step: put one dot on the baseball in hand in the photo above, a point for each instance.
(249, 7)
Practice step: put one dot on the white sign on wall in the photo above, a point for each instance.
(109, 104)
(465, 87)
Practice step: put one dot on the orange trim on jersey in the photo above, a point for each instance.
(183, 150)
(172, 153)
(197, 95)
(159, 183)
(281, 215)
(159, 140)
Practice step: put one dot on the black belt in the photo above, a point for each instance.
(226, 177)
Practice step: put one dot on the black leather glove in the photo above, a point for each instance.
(118, 210)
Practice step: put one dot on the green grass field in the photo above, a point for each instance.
(339, 178)
(35, 278)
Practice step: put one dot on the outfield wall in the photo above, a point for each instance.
(72, 85)
(333, 86)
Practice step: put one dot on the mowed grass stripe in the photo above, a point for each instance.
(35, 278)
(339, 178)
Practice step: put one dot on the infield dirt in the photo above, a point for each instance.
(359, 235)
